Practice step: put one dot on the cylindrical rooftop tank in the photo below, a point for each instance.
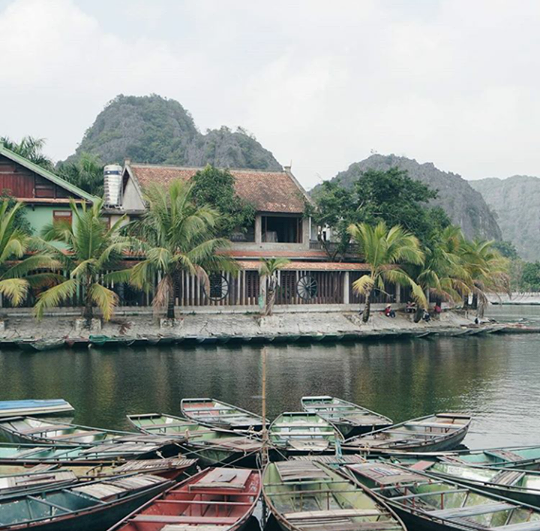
(112, 184)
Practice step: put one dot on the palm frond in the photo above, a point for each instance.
(14, 289)
(105, 299)
(54, 296)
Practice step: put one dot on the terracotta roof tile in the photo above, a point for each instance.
(309, 266)
(267, 191)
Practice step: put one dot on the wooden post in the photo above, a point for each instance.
(346, 288)
(264, 435)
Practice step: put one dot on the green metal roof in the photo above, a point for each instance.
(46, 174)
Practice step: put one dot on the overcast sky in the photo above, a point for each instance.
(319, 83)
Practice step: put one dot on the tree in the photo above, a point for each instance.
(506, 249)
(175, 236)
(215, 188)
(86, 173)
(92, 251)
(390, 196)
(30, 148)
(487, 270)
(443, 273)
(20, 220)
(530, 276)
(385, 251)
(17, 273)
(268, 273)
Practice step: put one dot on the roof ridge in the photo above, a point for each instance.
(173, 167)
(47, 174)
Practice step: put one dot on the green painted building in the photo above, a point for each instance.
(46, 196)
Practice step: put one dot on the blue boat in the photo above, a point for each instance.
(13, 408)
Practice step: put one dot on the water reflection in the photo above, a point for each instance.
(496, 378)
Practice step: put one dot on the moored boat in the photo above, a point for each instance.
(524, 457)
(40, 344)
(80, 506)
(19, 474)
(34, 430)
(519, 485)
(12, 408)
(443, 431)
(212, 412)
(212, 445)
(215, 499)
(298, 432)
(349, 418)
(426, 502)
(132, 447)
(307, 495)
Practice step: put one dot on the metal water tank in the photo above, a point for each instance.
(112, 184)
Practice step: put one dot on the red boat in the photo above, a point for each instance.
(224, 497)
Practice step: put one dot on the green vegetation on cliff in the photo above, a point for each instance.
(156, 130)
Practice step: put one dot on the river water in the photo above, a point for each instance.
(495, 378)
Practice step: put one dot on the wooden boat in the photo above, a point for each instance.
(443, 431)
(211, 412)
(133, 447)
(348, 418)
(303, 433)
(31, 345)
(168, 468)
(525, 457)
(519, 485)
(34, 480)
(168, 425)
(12, 408)
(215, 499)
(212, 446)
(307, 495)
(430, 503)
(81, 506)
(33, 430)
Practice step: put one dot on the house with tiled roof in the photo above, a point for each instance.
(280, 229)
(46, 196)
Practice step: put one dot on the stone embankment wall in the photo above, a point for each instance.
(224, 324)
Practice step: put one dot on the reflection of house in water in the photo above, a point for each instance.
(280, 229)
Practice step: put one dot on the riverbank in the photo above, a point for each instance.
(516, 299)
(220, 327)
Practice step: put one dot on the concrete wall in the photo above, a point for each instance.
(131, 199)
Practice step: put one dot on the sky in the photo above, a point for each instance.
(321, 84)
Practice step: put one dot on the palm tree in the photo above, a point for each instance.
(16, 275)
(443, 272)
(30, 148)
(487, 270)
(92, 251)
(268, 272)
(176, 236)
(86, 173)
(384, 250)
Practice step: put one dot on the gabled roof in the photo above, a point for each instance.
(276, 191)
(46, 174)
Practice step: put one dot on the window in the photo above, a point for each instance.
(62, 216)
(282, 229)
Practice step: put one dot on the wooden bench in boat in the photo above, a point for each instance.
(504, 455)
(75, 435)
(164, 519)
(301, 425)
(223, 478)
(304, 432)
(524, 526)
(473, 510)
(340, 525)
(435, 425)
(342, 513)
(42, 429)
(291, 471)
(452, 416)
(508, 477)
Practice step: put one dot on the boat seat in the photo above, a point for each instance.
(342, 513)
(473, 510)
(164, 519)
(42, 429)
(434, 425)
(343, 525)
(508, 477)
(76, 435)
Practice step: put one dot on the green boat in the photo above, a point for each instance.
(41, 431)
(520, 485)
(524, 457)
(348, 418)
(212, 446)
(134, 447)
(299, 433)
(427, 502)
(443, 431)
(32, 345)
(217, 414)
(81, 506)
(307, 495)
